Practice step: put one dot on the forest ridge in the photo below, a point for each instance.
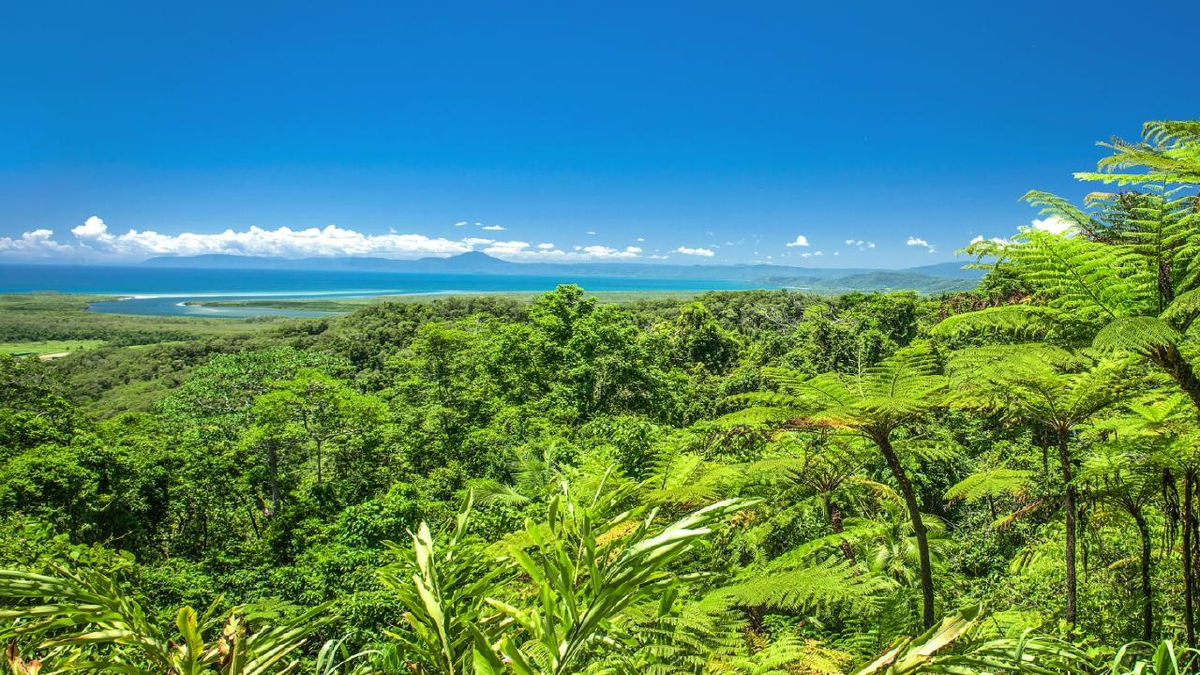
(996, 480)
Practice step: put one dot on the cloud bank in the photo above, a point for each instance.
(94, 241)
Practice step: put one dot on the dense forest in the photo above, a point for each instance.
(999, 480)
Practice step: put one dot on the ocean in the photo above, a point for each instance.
(165, 291)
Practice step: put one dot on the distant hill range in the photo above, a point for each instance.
(942, 277)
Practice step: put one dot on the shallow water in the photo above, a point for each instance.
(165, 291)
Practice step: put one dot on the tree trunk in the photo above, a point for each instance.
(1189, 580)
(318, 462)
(1147, 597)
(273, 476)
(918, 525)
(1064, 460)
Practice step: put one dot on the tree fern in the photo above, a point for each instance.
(1126, 277)
(873, 404)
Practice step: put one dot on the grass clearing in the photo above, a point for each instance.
(44, 347)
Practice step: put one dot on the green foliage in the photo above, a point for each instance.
(904, 455)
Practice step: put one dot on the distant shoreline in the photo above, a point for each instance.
(343, 305)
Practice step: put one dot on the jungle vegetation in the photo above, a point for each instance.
(999, 480)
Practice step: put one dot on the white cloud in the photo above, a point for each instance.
(860, 244)
(996, 240)
(94, 240)
(641, 239)
(917, 241)
(37, 243)
(604, 252)
(507, 248)
(91, 228)
(695, 251)
(591, 232)
(494, 228)
(1053, 225)
(813, 254)
(801, 240)
(460, 223)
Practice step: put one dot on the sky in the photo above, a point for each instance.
(836, 134)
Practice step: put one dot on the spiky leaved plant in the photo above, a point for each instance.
(84, 621)
(443, 586)
(588, 562)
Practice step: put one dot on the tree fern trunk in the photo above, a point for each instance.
(1189, 581)
(914, 513)
(1171, 360)
(1147, 598)
(1064, 460)
(835, 525)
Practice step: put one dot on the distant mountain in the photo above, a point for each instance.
(927, 278)
(948, 269)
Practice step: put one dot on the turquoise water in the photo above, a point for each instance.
(164, 291)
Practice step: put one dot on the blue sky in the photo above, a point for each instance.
(677, 131)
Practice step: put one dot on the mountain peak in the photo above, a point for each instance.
(473, 255)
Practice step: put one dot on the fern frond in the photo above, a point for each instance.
(832, 583)
(990, 483)
(1137, 334)
(1183, 310)
(930, 450)
(1016, 320)
(757, 416)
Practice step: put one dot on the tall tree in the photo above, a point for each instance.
(313, 410)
